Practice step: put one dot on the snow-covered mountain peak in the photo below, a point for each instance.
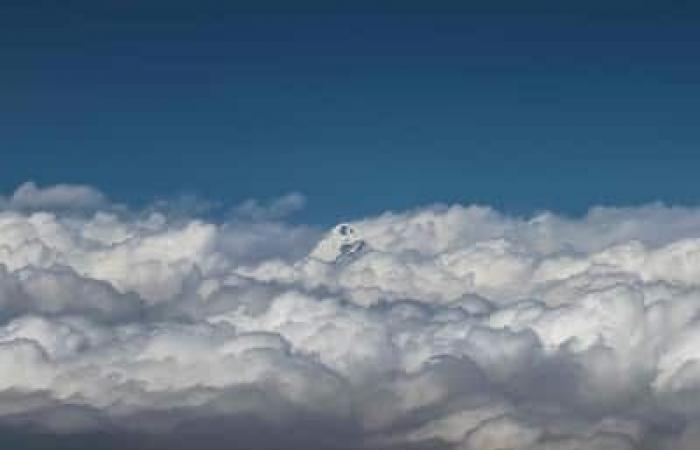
(341, 243)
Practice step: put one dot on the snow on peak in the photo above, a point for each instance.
(341, 243)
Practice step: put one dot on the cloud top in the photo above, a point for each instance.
(274, 209)
(29, 196)
(452, 327)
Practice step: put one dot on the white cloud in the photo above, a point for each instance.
(451, 326)
(29, 196)
(274, 209)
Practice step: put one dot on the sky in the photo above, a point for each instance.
(361, 107)
(349, 226)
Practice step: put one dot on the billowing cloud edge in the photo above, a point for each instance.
(440, 327)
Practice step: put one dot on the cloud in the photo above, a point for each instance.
(443, 327)
(29, 196)
(274, 209)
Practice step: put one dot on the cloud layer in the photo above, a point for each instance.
(442, 327)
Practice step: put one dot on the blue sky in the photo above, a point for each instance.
(362, 108)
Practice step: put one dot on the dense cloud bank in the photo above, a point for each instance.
(443, 327)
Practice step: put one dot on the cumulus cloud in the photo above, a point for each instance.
(443, 327)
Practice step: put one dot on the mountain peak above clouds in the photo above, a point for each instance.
(340, 244)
